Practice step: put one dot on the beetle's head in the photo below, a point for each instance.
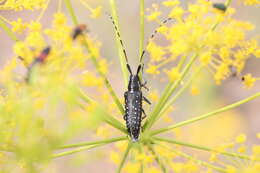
(134, 81)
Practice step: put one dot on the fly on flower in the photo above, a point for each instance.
(41, 58)
(79, 30)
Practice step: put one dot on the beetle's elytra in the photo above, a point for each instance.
(133, 105)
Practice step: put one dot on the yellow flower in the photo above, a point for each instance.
(103, 132)
(21, 5)
(59, 19)
(241, 138)
(154, 96)
(95, 13)
(231, 169)
(152, 69)
(115, 157)
(242, 149)
(194, 90)
(258, 135)
(173, 74)
(131, 167)
(35, 26)
(171, 3)
(205, 58)
(153, 16)
(156, 52)
(213, 157)
(248, 81)
(176, 13)
(19, 26)
(153, 169)
(251, 2)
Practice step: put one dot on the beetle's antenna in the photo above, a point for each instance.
(151, 37)
(119, 37)
(138, 69)
(129, 68)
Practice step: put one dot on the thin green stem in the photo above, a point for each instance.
(141, 151)
(157, 158)
(180, 92)
(228, 2)
(8, 30)
(182, 61)
(94, 60)
(65, 153)
(106, 116)
(141, 41)
(118, 44)
(207, 115)
(197, 161)
(166, 95)
(129, 146)
(199, 147)
(103, 142)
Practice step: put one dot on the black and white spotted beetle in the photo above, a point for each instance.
(133, 104)
(134, 96)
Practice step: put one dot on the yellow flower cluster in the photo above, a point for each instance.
(52, 98)
(217, 38)
(18, 5)
(251, 2)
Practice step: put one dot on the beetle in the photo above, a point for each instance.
(41, 58)
(79, 30)
(134, 112)
(133, 104)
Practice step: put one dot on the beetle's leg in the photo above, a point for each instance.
(125, 117)
(143, 117)
(144, 85)
(146, 100)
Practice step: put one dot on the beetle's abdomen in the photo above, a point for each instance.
(133, 113)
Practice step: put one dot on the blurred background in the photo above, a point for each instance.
(220, 129)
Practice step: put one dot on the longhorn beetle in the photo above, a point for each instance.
(134, 96)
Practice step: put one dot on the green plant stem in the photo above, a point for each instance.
(141, 41)
(94, 60)
(8, 30)
(207, 115)
(141, 151)
(180, 92)
(103, 142)
(200, 162)
(119, 47)
(157, 158)
(65, 153)
(202, 148)
(71, 11)
(166, 95)
(124, 158)
(106, 116)
(197, 161)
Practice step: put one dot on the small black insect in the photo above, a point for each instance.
(79, 30)
(38, 60)
(134, 96)
(220, 6)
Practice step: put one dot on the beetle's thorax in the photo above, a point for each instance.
(134, 83)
